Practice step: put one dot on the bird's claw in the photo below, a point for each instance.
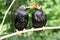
(24, 30)
(32, 29)
(18, 33)
(43, 28)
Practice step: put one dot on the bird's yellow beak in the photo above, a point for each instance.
(35, 5)
(30, 7)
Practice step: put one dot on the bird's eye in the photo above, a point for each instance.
(24, 7)
(39, 7)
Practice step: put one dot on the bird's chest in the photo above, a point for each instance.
(21, 19)
(38, 17)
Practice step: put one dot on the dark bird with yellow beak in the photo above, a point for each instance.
(39, 18)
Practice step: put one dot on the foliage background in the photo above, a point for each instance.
(50, 7)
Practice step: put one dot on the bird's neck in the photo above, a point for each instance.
(39, 9)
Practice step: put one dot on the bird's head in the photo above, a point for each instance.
(24, 7)
(36, 6)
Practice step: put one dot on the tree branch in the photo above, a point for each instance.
(29, 30)
(6, 15)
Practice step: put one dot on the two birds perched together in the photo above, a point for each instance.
(38, 17)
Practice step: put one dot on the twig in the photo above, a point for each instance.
(29, 30)
(6, 15)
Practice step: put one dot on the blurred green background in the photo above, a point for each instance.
(50, 7)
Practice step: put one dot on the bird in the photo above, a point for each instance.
(39, 18)
(21, 17)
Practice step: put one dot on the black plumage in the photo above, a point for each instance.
(21, 18)
(39, 18)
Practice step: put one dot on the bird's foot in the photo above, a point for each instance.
(32, 29)
(19, 34)
(43, 28)
(24, 30)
